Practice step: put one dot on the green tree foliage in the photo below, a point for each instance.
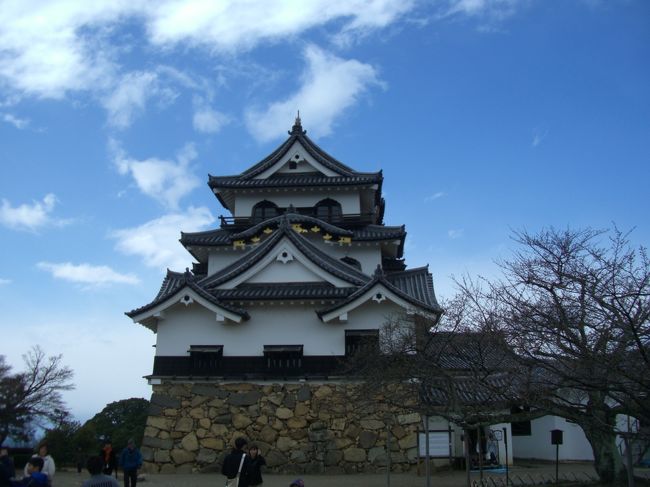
(32, 397)
(119, 421)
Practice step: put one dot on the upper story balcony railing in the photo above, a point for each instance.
(346, 220)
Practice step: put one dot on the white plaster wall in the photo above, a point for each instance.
(369, 256)
(349, 200)
(269, 325)
(538, 445)
(218, 259)
(296, 150)
(291, 271)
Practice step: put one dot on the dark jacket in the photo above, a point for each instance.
(130, 459)
(231, 466)
(7, 471)
(112, 460)
(255, 469)
(35, 479)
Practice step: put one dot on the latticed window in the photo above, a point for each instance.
(205, 358)
(329, 210)
(283, 357)
(361, 341)
(264, 210)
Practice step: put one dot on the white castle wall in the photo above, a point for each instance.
(349, 200)
(538, 445)
(269, 324)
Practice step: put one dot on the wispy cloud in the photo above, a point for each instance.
(206, 119)
(164, 180)
(156, 241)
(32, 216)
(435, 196)
(4, 282)
(87, 274)
(455, 233)
(19, 123)
(129, 97)
(538, 136)
(329, 86)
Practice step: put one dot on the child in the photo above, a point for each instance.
(255, 466)
(34, 478)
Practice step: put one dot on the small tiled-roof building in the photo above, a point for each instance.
(300, 272)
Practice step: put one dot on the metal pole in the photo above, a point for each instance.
(505, 439)
(426, 443)
(388, 452)
(467, 456)
(557, 463)
(480, 452)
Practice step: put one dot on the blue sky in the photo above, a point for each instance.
(485, 116)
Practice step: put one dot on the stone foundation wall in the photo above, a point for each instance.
(300, 428)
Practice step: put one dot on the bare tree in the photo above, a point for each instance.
(34, 395)
(577, 312)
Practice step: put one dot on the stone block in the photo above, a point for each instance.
(223, 419)
(198, 400)
(162, 456)
(151, 431)
(206, 456)
(323, 391)
(372, 424)
(208, 390)
(190, 442)
(410, 418)
(298, 456)
(212, 443)
(367, 439)
(165, 401)
(304, 393)
(284, 443)
(284, 413)
(244, 398)
(168, 468)
(157, 443)
(180, 457)
(184, 424)
(333, 457)
(338, 424)
(147, 453)
(377, 455)
(197, 413)
(158, 422)
(275, 398)
(268, 434)
(409, 441)
(240, 421)
(275, 459)
(219, 429)
(354, 455)
(301, 409)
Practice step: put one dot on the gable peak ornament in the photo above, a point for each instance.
(297, 126)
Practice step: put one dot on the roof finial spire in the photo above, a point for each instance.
(297, 127)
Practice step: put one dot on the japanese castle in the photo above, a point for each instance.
(300, 275)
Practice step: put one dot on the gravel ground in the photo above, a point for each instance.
(439, 479)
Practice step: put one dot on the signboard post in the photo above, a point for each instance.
(556, 439)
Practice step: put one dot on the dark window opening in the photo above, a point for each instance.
(205, 358)
(361, 341)
(293, 164)
(520, 428)
(353, 262)
(264, 210)
(329, 210)
(283, 357)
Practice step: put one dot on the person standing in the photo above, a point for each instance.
(95, 465)
(255, 466)
(235, 465)
(130, 461)
(108, 454)
(49, 467)
(7, 470)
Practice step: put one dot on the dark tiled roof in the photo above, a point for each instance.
(302, 180)
(417, 283)
(213, 238)
(284, 291)
(380, 278)
(493, 390)
(312, 252)
(298, 134)
(379, 232)
(292, 218)
(175, 282)
(207, 238)
(463, 351)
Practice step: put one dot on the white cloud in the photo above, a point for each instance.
(164, 180)
(19, 123)
(435, 196)
(455, 233)
(52, 48)
(87, 274)
(4, 281)
(129, 97)
(497, 9)
(156, 241)
(538, 136)
(329, 86)
(206, 119)
(30, 216)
